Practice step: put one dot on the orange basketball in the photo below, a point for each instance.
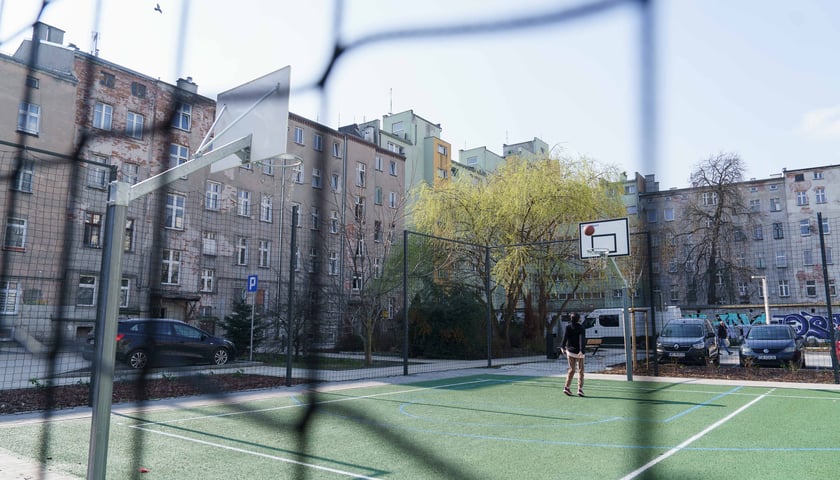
(589, 230)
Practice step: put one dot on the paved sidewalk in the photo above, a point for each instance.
(15, 467)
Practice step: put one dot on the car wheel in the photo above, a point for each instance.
(221, 356)
(137, 359)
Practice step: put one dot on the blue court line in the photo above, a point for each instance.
(686, 412)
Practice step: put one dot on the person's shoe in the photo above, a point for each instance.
(580, 393)
(567, 391)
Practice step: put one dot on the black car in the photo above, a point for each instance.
(142, 340)
(688, 340)
(774, 344)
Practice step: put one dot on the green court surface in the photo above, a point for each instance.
(477, 426)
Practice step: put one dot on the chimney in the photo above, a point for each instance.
(187, 84)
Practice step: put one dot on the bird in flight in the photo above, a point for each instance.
(157, 8)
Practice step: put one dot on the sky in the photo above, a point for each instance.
(755, 78)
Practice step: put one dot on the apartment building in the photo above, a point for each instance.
(75, 122)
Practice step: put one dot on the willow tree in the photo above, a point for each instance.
(522, 208)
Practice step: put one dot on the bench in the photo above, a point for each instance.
(592, 346)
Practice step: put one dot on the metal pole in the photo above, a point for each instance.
(251, 347)
(489, 309)
(405, 302)
(290, 305)
(108, 305)
(764, 294)
(832, 335)
(628, 349)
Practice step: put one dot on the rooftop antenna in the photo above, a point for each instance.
(390, 101)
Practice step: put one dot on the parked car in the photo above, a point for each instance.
(688, 340)
(772, 344)
(142, 340)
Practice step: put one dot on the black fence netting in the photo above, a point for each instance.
(277, 274)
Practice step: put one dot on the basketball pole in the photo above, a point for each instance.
(120, 194)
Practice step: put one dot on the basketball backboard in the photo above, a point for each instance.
(259, 108)
(610, 236)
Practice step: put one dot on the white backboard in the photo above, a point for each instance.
(611, 236)
(259, 108)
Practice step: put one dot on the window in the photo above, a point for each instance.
(242, 251)
(674, 294)
(781, 259)
(356, 283)
(138, 90)
(98, 176)
(632, 210)
(170, 273)
(811, 288)
(134, 125)
(826, 229)
(93, 230)
(442, 173)
(805, 227)
(297, 173)
(266, 208)
(208, 279)
(819, 194)
(360, 175)
(107, 79)
(802, 198)
(758, 232)
(784, 288)
(336, 150)
(377, 231)
(392, 167)
(208, 243)
(267, 168)
(333, 263)
(130, 173)
(103, 115)
(361, 251)
(9, 298)
(392, 199)
(25, 176)
(125, 292)
(213, 196)
(807, 257)
(759, 261)
(182, 119)
(377, 268)
(318, 142)
(296, 215)
(178, 154)
(738, 233)
(778, 231)
(799, 177)
(378, 164)
(828, 260)
(265, 253)
(128, 246)
(630, 189)
(397, 128)
(29, 118)
(335, 182)
(175, 211)
(441, 149)
(15, 234)
(832, 288)
(316, 178)
(297, 259)
(86, 296)
(32, 82)
(334, 222)
(755, 205)
(244, 205)
(377, 195)
(359, 210)
(651, 215)
(710, 198)
(743, 289)
(818, 175)
(775, 205)
(315, 215)
(668, 214)
(299, 135)
(314, 263)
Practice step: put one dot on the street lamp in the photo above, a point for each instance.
(286, 160)
(764, 293)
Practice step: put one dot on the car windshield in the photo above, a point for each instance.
(764, 333)
(682, 331)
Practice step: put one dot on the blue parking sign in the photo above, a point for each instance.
(252, 283)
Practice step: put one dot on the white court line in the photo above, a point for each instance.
(645, 467)
(263, 455)
(299, 405)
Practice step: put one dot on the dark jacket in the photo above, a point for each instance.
(722, 331)
(574, 338)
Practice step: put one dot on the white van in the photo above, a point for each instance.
(608, 323)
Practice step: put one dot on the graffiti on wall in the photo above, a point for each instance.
(807, 325)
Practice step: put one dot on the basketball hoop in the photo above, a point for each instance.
(599, 256)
